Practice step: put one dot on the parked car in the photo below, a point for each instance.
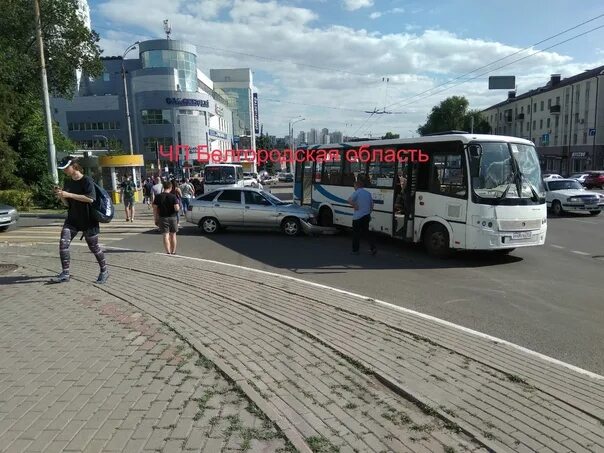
(249, 208)
(568, 195)
(579, 177)
(547, 176)
(595, 180)
(8, 216)
(286, 177)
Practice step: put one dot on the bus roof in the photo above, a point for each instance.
(464, 138)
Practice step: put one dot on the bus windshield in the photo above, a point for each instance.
(507, 171)
(219, 175)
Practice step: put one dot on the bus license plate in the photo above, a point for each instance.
(524, 235)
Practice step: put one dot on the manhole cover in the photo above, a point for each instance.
(7, 268)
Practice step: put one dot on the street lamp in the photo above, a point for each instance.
(291, 132)
(132, 47)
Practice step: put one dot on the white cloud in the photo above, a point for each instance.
(378, 14)
(375, 15)
(353, 5)
(286, 35)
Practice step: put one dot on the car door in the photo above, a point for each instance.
(258, 211)
(228, 207)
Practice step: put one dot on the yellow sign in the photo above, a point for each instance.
(127, 160)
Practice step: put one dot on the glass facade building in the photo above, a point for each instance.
(184, 62)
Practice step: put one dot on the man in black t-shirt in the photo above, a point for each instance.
(77, 194)
(165, 208)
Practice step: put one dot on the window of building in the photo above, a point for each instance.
(541, 124)
(566, 120)
(585, 137)
(567, 97)
(106, 77)
(542, 105)
(548, 123)
(522, 109)
(156, 116)
(565, 138)
(151, 144)
(557, 120)
(549, 103)
(576, 118)
(528, 126)
(557, 100)
(555, 140)
(528, 108)
(534, 124)
(535, 107)
(574, 139)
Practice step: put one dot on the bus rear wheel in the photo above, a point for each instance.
(326, 217)
(436, 240)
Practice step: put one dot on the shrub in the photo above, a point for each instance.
(44, 193)
(20, 199)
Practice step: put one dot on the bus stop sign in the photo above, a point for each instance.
(502, 82)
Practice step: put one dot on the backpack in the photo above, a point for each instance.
(102, 207)
(128, 189)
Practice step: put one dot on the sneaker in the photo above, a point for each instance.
(61, 278)
(103, 276)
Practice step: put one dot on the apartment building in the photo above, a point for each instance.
(564, 118)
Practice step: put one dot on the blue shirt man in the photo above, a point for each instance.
(362, 202)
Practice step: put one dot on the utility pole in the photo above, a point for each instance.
(52, 154)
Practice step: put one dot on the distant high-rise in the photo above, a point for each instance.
(312, 137)
(301, 138)
(324, 136)
(336, 137)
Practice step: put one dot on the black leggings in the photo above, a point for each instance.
(67, 235)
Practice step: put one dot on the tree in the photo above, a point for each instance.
(68, 44)
(390, 135)
(453, 114)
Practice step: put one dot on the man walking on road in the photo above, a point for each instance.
(77, 194)
(128, 190)
(362, 202)
(165, 208)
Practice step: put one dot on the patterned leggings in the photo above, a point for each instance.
(67, 235)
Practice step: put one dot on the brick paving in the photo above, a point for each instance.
(331, 371)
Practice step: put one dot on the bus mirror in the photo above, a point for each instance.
(475, 151)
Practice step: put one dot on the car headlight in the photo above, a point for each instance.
(12, 211)
(573, 199)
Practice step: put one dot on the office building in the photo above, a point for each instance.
(564, 118)
(171, 102)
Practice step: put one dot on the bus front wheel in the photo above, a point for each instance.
(436, 240)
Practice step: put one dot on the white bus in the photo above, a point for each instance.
(476, 192)
(217, 176)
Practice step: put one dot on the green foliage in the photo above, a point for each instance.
(390, 135)
(68, 44)
(43, 191)
(453, 114)
(20, 199)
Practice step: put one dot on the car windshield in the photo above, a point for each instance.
(219, 175)
(507, 171)
(273, 198)
(564, 184)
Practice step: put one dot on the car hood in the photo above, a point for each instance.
(5, 207)
(575, 192)
(291, 207)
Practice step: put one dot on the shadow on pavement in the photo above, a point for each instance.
(332, 254)
(23, 279)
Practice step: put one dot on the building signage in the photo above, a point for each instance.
(188, 102)
(217, 134)
(219, 110)
(256, 127)
(502, 82)
(592, 132)
(578, 155)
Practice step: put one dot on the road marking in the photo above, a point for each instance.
(587, 221)
(557, 246)
(405, 310)
(580, 253)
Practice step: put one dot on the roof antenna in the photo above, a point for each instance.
(167, 28)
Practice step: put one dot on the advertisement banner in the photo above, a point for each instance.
(256, 125)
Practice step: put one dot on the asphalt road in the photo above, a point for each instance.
(549, 299)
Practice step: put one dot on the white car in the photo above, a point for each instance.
(579, 177)
(548, 176)
(251, 180)
(568, 195)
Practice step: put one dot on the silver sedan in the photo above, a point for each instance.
(8, 216)
(250, 208)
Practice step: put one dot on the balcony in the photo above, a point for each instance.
(555, 110)
(520, 117)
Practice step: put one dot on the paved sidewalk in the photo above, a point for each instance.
(332, 371)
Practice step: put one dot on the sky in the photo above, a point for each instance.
(329, 62)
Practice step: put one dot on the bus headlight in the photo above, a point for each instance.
(544, 221)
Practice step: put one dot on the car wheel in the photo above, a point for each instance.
(436, 240)
(3, 229)
(291, 226)
(326, 217)
(209, 225)
(557, 208)
(591, 213)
